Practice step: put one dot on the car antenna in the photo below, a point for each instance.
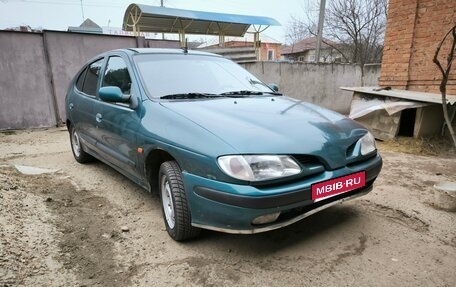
(185, 48)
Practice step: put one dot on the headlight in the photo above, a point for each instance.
(367, 144)
(258, 167)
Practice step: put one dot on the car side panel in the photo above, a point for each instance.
(80, 109)
(116, 135)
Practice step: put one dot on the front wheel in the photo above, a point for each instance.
(174, 203)
(78, 152)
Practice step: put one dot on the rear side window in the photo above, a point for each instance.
(80, 81)
(91, 78)
(117, 75)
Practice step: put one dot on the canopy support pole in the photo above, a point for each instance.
(222, 39)
(257, 41)
(182, 38)
(181, 31)
(257, 44)
(135, 19)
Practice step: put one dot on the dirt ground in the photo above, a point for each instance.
(87, 225)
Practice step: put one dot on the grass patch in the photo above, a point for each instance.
(7, 133)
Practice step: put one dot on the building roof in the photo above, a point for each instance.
(248, 38)
(170, 20)
(88, 26)
(306, 45)
(88, 23)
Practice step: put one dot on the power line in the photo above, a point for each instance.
(100, 3)
(69, 3)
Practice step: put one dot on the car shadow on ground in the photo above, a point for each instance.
(312, 228)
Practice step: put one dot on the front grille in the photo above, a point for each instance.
(309, 204)
(305, 159)
(351, 149)
(310, 164)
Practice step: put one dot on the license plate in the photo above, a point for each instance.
(332, 187)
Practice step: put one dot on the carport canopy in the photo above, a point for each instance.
(145, 18)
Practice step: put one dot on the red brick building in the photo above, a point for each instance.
(270, 49)
(305, 51)
(413, 31)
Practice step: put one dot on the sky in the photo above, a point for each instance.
(59, 14)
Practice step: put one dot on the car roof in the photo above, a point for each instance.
(147, 51)
(133, 51)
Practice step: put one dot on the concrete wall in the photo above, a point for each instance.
(316, 83)
(69, 51)
(25, 90)
(36, 68)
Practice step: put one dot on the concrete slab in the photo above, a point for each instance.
(31, 170)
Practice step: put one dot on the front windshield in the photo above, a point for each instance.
(170, 74)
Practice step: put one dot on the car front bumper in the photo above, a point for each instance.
(231, 208)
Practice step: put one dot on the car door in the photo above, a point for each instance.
(80, 105)
(118, 123)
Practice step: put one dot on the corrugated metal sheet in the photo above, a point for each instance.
(170, 20)
(403, 94)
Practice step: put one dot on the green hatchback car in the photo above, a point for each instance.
(225, 151)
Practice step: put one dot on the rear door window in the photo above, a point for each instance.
(80, 81)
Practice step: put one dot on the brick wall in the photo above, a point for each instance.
(413, 31)
(265, 47)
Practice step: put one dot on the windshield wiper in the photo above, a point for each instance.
(189, 96)
(241, 93)
(255, 82)
(231, 94)
(274, 93)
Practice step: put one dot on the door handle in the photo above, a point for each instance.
(71, 106)
(99, 117)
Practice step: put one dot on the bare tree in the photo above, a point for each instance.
(296, 31)
(445, 70)
(358, 26)
(301, 25)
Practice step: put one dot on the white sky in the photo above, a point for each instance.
(59, 14)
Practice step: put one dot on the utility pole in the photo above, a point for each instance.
(161, 4)
(82, 11)
(321, 19)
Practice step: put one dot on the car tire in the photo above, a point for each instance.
(76, 147)
(176, 213)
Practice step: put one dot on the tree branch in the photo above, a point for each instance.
(445, 76)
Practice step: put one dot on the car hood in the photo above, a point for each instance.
(274, 125)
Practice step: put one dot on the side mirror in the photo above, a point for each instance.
(113, 94)
(274, 87)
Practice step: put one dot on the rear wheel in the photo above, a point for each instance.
(76, 146)
(175, 209)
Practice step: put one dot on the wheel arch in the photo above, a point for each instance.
(152, 164)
